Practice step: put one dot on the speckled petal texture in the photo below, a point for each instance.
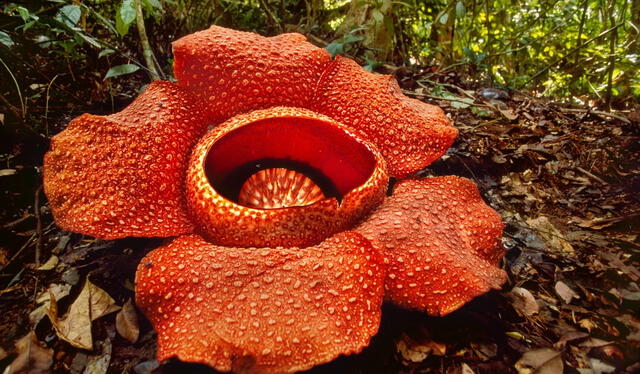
(236, 71)
(440, 243)
(123, 174)
(409, 133)
(261, 310)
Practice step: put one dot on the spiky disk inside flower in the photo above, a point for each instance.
(256, 310)
(351, 172)
(440, 242)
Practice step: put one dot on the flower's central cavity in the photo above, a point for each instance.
(282, 177)
(279, 188)
(287, 162)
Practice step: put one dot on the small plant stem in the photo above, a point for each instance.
(36, 212)
(23, 104)
(146, 47)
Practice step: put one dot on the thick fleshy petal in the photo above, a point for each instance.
(235, 71)
(262, 310)
(409, 133)
(440, 242)
(247, 142)
(123, 174)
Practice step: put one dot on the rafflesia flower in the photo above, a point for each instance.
(270, 163)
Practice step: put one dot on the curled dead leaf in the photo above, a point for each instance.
(540, 361)
(565, 293)
(75, 327)
(127, 322)
(551, 235)
(32, 357)
(413, 351)
(56, 292)
(524, 302)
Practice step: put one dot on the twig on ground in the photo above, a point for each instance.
(596, 112)
(36, 212)
(590, 175)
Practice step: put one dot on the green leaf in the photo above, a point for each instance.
(105, 52)
(377, 16)
(460, 10)
(121, 70)
(6, 39)
(335, 49)
(89, 40)
(154, 3)
(69, 15)
(125, 16)
(24, 13)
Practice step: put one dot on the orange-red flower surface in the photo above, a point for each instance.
(270, 163)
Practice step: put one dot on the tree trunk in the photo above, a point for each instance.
(373, 17)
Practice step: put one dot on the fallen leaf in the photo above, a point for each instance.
(51, 263)
(75, 327)
(127, 322)
(57, 291)
(32, 357)
(7, 172)
(524, 302)
(146, 367)
(570, 336)
(466, 369)
(415, 352)
(565, 293)
(540, 361)
(99, 364)
(551, 235)
(600, 367)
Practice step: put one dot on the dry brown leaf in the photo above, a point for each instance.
(57, 291)
(551, 235)
(127, 322)
(540, 361)
(415, 352)
(524, 302)
(32, 358)
(466, 369)
(75, 327)
(565, 293)
(51, 263)
(99, 364)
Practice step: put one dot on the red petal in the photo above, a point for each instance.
(409, 133)
(123, 174)
(356, 168)
(261, 310)
(440, 242)
(235, 71)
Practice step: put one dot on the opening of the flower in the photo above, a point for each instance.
(319, 155)
(279, 188)
(282, 176)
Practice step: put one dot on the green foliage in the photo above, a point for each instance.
(121, 70)
(578, 50)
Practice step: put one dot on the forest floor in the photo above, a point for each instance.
(565, 180)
